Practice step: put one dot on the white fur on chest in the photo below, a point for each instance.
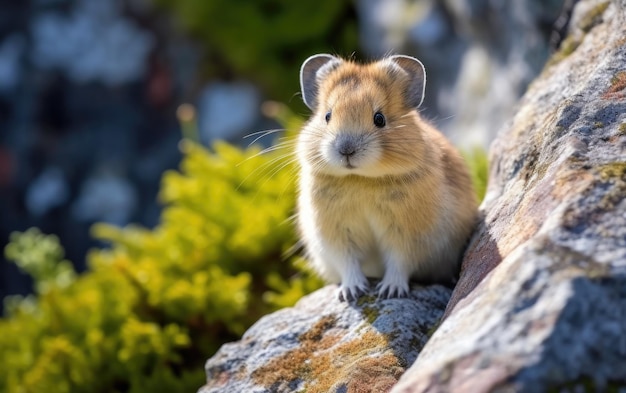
(355, 223)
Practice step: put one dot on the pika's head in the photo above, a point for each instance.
(364, 118)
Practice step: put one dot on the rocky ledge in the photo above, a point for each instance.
(324, 345)
(541, 303)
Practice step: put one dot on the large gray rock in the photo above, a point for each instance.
(552, 315)
(324, 345)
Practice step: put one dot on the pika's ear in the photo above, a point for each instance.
(313, 70)
(417, 78)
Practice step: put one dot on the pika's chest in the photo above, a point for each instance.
(359, 198)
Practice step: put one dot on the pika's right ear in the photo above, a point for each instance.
(313, 70)
(416, 78)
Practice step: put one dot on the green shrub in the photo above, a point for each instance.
(478, 164)
(151, 309)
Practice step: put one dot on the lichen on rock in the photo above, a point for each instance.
(324, 345)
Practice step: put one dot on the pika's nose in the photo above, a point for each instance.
(346, 146)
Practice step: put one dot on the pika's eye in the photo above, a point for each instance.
(379, 120)
(327, 117)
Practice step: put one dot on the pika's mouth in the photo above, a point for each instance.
(347, 164)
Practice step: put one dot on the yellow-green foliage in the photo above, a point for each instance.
(151, 309)
(42, 258)
(478, 165)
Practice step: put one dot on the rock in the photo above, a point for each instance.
(323, 345)
(551, 315)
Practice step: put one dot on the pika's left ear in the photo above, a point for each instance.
(313, 70)
(417, 78)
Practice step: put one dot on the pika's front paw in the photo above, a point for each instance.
(388, 290)
(353, 283)
(351, 293)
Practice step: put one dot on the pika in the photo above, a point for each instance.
(382, 193)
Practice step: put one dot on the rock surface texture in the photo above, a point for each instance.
(541, 303)
(552, 315)
(323, 345)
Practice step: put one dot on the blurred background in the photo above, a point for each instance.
(89, 89)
